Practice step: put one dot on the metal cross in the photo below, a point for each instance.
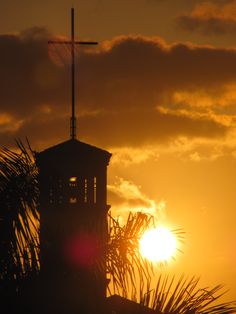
(72, 43)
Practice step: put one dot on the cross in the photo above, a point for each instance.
(72, 44)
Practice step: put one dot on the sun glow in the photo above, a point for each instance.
(158, 245)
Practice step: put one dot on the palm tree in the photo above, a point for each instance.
(129, 273)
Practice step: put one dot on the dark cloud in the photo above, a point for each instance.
(138, 71)
(207, 26)
(210, 18)
(28, 78)
(140, 127)
(190, 1)
(121, 85)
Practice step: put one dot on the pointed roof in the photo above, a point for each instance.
(74, 149)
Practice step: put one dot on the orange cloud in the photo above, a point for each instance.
(9, 123)
(125, 196)
(129, 155)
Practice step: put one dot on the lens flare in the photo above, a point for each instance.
(158, 245)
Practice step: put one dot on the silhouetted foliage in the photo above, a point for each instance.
(19, 249)
(123, 256)
(184, 296)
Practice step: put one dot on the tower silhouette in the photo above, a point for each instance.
(73, 224)
(73, 221)
(73, 230)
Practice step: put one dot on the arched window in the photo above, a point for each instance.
(73, 181)
(73, 200)
(73, 193)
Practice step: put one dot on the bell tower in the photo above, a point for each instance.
(73, 221)
(73, 218)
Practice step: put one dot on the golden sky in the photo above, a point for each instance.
(159, 92)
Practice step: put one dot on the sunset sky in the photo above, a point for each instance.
(158, 92)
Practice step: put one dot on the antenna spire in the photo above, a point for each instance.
(72, 44)
(73, 118)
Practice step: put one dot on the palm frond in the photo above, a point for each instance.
(123, 256)
(127, 269)
(19, 218)
(184, 296)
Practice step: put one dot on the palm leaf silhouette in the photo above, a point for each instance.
(184, 296)
(19, 249)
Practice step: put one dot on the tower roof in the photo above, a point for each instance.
(73, 150)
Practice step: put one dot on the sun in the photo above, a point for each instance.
(158, 245)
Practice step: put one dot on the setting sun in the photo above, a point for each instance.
(158, 245)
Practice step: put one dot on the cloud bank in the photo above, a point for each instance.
(133, 91)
